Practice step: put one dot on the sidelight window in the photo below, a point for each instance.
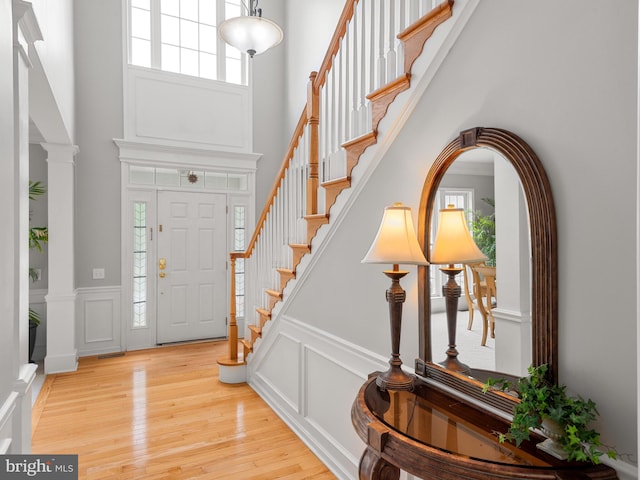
(239, 231)
(139, 265)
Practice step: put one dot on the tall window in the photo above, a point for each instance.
(139, 265)
(181, 36)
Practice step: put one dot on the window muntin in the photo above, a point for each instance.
(139, 265)
(197, 179)
(181, 36)
(239, 232)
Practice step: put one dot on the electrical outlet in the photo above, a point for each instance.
(98, 273)
(38, 274)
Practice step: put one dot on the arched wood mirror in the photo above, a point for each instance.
(542, 271)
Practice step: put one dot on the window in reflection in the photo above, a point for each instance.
(139, 420)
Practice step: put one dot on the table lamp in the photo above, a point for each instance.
(453, 244)
(395, 243)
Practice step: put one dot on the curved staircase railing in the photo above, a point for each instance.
(368, 63)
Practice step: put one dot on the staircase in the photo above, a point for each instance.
(367, 65)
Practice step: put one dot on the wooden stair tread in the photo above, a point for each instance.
(273, 293)
(286, 271)
(299, 251)
(256, 329)
(286, 274)
(314, 222)
(333, 188)
(264, 312)
(248, 346)
(337, 182)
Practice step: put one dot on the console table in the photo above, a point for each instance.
(434, 435)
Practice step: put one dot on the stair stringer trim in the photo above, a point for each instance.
(423, 72)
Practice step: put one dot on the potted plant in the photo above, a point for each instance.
(546, 406)
(38, 236)
(483, 229)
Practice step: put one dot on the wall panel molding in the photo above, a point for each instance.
(163, 107)
(329, 373)
(99, 325)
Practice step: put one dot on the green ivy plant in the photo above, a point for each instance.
(38, 236)
(483, 229)
(540, 399)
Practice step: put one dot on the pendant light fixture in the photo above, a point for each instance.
(251, 33)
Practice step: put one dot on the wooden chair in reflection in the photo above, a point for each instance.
(480, 292)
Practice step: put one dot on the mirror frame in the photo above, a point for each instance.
(544, 257)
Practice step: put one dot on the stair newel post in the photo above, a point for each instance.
(233, 325)
(313, 119)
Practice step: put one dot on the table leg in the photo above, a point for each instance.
(374, 467)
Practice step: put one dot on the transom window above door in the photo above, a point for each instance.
(181, 36)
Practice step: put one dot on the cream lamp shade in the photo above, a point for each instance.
(454, 243)
(396, 240)
(251, 34)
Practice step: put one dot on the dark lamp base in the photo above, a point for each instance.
(395, 379)
(452, 363)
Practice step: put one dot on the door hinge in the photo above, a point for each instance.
(226, 320)
(160, 228)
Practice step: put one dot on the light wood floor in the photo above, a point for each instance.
(163, 414)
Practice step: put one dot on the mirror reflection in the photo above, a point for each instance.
(493, 320)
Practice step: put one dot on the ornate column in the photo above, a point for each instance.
(62, 354)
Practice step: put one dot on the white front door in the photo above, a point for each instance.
(192, 252)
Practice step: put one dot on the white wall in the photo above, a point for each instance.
(55, 54)
(539, 70)
(311, 24)
(98, 52)
(270, 133)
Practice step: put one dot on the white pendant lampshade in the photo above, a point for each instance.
(454, 243)
(251, 34)
(396, 241)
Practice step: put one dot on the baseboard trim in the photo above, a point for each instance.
(61, 363)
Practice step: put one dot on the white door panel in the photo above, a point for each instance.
(192, 241)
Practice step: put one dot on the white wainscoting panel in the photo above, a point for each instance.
(326, 373)
(98, 321)
(282, 371)
(165, 107)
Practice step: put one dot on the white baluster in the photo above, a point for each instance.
(371, 56)
(355, 127)
(382, 67)
(414, 11)
(346, 105)
(362, 109)
(391, 54)
(400, 49)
